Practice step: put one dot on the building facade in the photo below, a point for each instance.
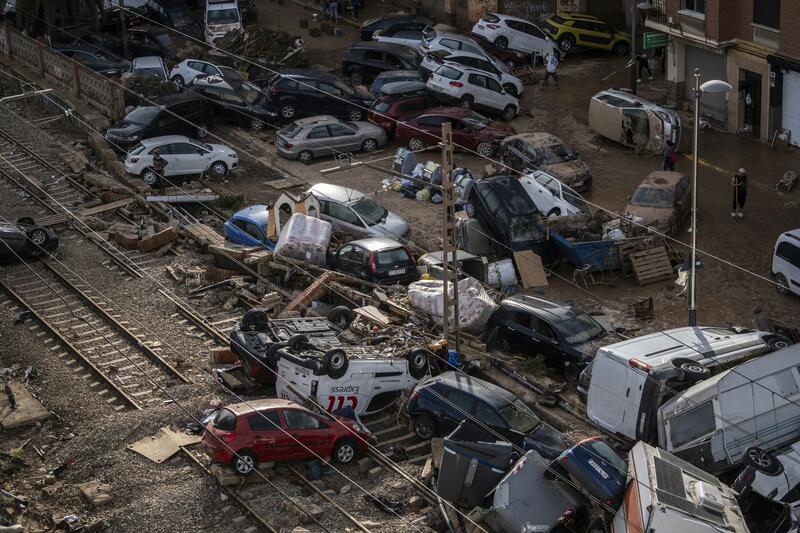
(741, 42)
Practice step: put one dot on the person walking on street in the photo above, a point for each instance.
(670, 157)
(356, 5)
(334, 11)
(643, 64)
(551, 69)
(739, 184)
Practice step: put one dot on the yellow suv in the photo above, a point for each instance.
(576, 29)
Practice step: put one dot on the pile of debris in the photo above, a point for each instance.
(265, 46)
(154, 237)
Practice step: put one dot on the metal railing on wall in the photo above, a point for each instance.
(81, 82)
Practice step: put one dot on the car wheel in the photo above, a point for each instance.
(416, 144)
(179, 82)
(38, 238)
(344, 451)
(417, 362)
(778, 342)
(369, 145)
(150, 177)
(621, 49)
(305, 157)
(498, 340)
(355, 114)
(202, 131)
(762, 461)
(287, 111)
(693, 371)
(26, 221)
(341, 317)
(336, 363)
(501, 43)
(467, 101)
(256, 124)
(244, 462)
(219, 168)
(425, 427)
(356, 77)
(510, 89)
(485, 149)
(509, 113)
(555, 212)
(297, 342)
(781, 283)
(566, 42)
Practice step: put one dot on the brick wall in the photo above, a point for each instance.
(790, 37)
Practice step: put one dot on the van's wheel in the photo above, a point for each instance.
(781, 283)
(297, 342)
(762, 461)
(510, 89)
(369, 145)
(509, 113)
(344, 451)
(425, 427)
(501, 43)
(467, 101)
(485, 149)
(341, 317)
(244, 462)
(692, 371)
(219, 168)
(778, 342)
(305, 157)
(26, 221)
(417, 362)
(415, 144)
(336, 363)
(555, 212)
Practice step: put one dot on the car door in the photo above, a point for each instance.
(374, 63)
(173, 167)
(193, 69)
(517, 40)
(477, 88)
(310, 99)
(268, 441)
(511, 155)
(192, 159)
(342, 217)
(497, 99)
(318, 140)
(537, 190)
(249, 232)
(344, 137)
(213, 96)
(544, 341)
(536, 39)
(308, 433)
(350, 259)
(516, 329)
(462, 133)
(458, 407)
(431, 125)
(235, 108)
(331, 102)
(489, 417)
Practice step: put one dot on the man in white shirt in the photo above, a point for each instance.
(551, 69)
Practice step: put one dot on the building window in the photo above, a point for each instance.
(767, 13)
(698, 6)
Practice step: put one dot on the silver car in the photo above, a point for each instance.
(356, 213)
(312, 137)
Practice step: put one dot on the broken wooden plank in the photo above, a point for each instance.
(182, 198)
(530, 269)
(88, 211)
(372, 314)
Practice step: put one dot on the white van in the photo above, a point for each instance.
(786, 262)
(220, 18)
(755, 404)
(632, 378)
(666, 494)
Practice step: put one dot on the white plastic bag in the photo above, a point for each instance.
(475, 306)
(305, 238)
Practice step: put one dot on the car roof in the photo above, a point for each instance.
(554, 310)
(147, 28)
(402, 87)
(399, 72)
(252, 406)
(382, 45)
(510, 17)
(92, 49)
(170, 99)
(376, 244)
(578, 16)
(166, 139)
(489, 392)
(318, 120)
(795, 233)
(337, 193)
(148, 61)
(662, 179)
(219, 6)
(539, 138)
(454, 112)
(308, 73)
(259, 214)
(454, 36)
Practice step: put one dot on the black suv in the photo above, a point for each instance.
(298, 93)
(567, 337)
(439, 404)
(175, 114)
(391, 19)
(362, 62)
(377, 259)
(235, 101)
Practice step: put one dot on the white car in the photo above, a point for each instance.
(786, 262)
(552, 197)
(184, 156)
(356, 213)
(220, 19)
(459, 43)
(455, 84)
(407, 33)
(514, 33)
(187, 70)
(148, 67)
(432, 60)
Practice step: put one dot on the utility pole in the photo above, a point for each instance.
(634, 70)
(696, 94)
(449, 259)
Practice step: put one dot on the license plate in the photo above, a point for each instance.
(397, 272)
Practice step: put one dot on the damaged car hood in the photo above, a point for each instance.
(568, 171)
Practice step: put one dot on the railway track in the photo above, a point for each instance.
(112, 354)
(58, 195)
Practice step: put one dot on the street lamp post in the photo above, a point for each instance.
(644, 6)
(713, 87)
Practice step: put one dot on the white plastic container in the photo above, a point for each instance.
(501, 274)
(305, 238)
(475, 305)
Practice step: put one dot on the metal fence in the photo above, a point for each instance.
(81, 81)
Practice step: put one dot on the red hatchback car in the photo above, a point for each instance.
(261, 431)
(471, 130)
(398, 101)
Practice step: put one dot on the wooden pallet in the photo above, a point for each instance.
(205, 234)
(651, 266)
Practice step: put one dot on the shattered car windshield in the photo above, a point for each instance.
(580, 329)
(651, 197)
(520, 417)
(250, 93)
(524, 229)
(369, 210)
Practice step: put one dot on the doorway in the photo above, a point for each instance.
(750, 101)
